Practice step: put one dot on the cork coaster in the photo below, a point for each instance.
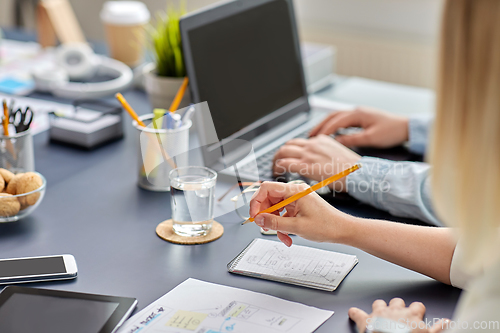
(165, 231)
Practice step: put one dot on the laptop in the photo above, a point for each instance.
(243, 58)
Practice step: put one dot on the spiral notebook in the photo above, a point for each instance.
(300, 265)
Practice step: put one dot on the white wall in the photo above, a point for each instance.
(6, 12)
(87, 12)
(400, 19)
(392, 40)
(403, 19)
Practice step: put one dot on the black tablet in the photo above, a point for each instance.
(53, 311)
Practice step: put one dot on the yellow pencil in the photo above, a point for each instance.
(302, 194)
(129, 109)
(134, 116)
(178, 97)
(5, 118)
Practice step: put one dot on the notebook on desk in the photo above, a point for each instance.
(300, 265)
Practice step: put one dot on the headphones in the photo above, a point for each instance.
(78, 62)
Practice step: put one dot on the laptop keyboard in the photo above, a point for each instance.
(265, 161)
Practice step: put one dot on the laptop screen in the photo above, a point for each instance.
(246, 65)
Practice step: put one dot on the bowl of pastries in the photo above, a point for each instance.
(20, 194)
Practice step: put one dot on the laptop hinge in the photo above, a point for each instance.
(268, 137)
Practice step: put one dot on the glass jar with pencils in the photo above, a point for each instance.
(16, 152)
(161, 149)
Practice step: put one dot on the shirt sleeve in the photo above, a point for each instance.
(419, 128)
(459, 277)
(401, 188)
(477, 309)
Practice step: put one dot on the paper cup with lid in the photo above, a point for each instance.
(124, 24)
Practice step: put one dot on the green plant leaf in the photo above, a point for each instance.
(165, 42)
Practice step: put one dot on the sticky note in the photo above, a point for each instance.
(237, 311)
(186, 319)
(14, 86)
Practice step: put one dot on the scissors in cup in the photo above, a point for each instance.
(22, 119)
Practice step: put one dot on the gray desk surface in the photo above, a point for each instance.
(94, 210)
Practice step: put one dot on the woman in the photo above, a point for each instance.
(465, 155)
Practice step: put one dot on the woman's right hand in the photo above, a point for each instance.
(310, 217)
(380, 129)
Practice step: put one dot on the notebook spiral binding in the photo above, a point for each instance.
(236, 260)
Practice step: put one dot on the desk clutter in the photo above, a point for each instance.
(84, 123)
(16, 121)
(90, 124)
(21, 189)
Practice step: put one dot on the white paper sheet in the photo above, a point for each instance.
(396, 98)
(202, 307)
(329, 105)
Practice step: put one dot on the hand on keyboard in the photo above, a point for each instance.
(316, 158)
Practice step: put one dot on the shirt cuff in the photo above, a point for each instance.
(459, 277)
(418, 133)
(400, 188)
(361, 184)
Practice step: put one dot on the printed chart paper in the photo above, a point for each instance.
(201, 307)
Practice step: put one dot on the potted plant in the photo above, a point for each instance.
(165, 76)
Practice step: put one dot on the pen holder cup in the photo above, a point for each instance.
(16, 152)
(160, 151)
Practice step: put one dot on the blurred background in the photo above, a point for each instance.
(388, 40)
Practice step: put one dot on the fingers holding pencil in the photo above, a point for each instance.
(272, 193)
(307, 214)
(277, 206)
(310, 217)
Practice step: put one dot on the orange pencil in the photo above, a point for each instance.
(129, 109)
(5, 118)
(134, 116)
(178, 97)
(302, 194)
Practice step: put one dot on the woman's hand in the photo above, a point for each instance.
(380, 129)
(309, 217)
(396, 311)
(316, 158)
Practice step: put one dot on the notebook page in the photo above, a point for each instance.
(295, 263)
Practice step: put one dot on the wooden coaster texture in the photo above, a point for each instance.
(165, 231)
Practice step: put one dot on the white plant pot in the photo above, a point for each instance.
(161, 90)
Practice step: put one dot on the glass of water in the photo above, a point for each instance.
(192, 192)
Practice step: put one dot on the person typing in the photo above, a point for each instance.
(401, 188)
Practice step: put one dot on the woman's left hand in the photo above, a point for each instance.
(411, 316)
(316, 158)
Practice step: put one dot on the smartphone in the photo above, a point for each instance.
(33, 269)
